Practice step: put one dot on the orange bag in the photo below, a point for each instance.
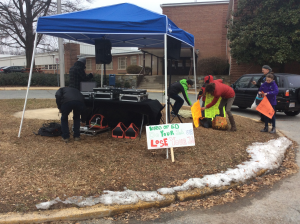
(219, 123)
(265, 108)
(196, 113)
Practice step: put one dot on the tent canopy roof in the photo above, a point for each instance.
(125, 25)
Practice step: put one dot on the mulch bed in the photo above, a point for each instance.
(36, 169)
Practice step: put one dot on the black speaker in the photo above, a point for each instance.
(103, 51)
(173, 48)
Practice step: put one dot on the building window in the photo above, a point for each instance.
(88, 64)
(108, 67)
(46, 66)
(122, 63)
(133, 60)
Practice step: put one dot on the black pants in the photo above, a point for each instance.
(66, 108)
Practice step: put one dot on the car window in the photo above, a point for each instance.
(255, 78)
(243, 82)
(293, 81)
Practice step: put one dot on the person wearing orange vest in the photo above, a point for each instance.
(218, 89)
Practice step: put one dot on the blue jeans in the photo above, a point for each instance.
(66, 109)
(266, 119)
(178, 102)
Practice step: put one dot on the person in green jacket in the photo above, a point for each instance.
(177, 87)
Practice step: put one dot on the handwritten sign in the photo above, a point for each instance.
(170, 135)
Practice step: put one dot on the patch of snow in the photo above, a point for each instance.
(267, 156)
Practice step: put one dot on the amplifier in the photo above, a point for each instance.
(88, 95)
(102, 89)
(105, 95)
(134, 91)
(133, 97)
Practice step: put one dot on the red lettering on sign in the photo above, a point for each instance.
(152, 145)
(165, 142)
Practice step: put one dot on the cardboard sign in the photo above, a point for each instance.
(265, 108)
(170, 135)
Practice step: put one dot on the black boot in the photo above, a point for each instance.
(273, 131)
(266, 129)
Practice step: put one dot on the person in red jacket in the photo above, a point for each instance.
(218, 89)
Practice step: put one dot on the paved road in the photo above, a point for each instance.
(280, 204)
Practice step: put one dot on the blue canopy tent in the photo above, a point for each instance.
(125, 25)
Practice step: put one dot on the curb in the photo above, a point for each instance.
(100, 211)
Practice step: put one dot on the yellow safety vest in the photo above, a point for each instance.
(214, 110)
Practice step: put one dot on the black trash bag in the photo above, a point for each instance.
(50, 129)
(206, 122)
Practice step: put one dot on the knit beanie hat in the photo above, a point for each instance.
(190, 82)
(267, 67)
(83, 60)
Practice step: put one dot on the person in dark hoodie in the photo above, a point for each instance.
(270, 89)
(77, 74)
(70, 99)
(266, 69)
(177, 87)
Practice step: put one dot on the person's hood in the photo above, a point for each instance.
(208, 78)
(184, 83)
(80, 64)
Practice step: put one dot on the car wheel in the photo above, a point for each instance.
(242, 107)
(291, 113)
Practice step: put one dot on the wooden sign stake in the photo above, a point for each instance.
(172, 155)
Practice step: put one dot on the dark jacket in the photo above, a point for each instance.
(178, 87)
(272, 91)
(66, 94)
(262, 79)
(77, 75)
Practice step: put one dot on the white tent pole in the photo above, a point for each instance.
(29, 81)
(166, 85)
(194, 61)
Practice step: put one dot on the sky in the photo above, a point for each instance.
(153, 5)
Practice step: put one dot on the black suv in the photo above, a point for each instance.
(9, 69)
(288, 98)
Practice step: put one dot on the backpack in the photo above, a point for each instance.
(50, 129)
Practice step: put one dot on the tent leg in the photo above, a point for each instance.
(194, 61)
(29, 81)
(166, 86)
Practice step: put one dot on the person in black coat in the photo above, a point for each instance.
(70, 99)
(77, 74)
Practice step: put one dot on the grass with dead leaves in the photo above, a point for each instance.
(36, 169)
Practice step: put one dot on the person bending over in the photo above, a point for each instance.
(70, 99)
(218, 89)
(207, 79)
(177, 87)
(77, 74)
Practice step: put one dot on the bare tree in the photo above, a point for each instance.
(18, 21)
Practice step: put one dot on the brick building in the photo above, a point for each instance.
(206, 21)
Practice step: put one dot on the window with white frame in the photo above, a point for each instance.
(88, 64)
(122, 63)
(108, 67)
(133, 60)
